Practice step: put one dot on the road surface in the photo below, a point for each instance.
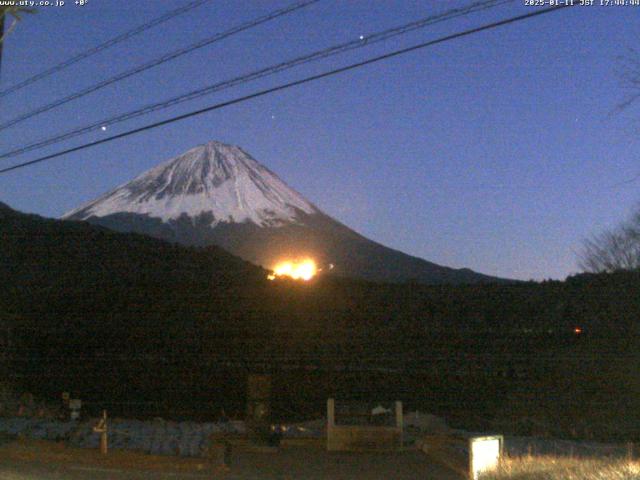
(287, 464)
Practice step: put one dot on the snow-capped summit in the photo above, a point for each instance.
(219, 180)
(217, 194)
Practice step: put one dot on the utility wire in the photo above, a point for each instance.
(158, 61)
(103, 46)
(264, 72)
(295, 83)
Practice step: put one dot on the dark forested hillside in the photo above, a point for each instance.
(123, 318)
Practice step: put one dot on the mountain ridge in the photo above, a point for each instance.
(245, 190)
(218, 194)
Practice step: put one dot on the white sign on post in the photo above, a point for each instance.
(484, 454)
(75, 404)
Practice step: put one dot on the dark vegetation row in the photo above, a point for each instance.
(144, 327)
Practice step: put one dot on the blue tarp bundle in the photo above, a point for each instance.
(158, 437)
(43, 429)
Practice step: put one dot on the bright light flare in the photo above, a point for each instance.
(298, 270)
(485, 454)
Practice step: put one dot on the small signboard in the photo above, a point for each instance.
(484, 454)
(75, 405)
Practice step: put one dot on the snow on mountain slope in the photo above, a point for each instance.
(217, 194)
(214, 178)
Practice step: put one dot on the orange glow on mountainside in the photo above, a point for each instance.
(303, 270)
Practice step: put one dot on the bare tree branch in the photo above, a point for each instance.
(614, 250)
(14, 12)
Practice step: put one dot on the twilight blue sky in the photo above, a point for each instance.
(496, 152)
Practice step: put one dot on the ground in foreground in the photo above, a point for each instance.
(30, 460)
(565, 468)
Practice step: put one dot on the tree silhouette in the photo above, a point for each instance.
(614, 250)
(15, 12)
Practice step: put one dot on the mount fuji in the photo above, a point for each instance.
(218, 194)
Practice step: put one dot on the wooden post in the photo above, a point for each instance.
(400, 421)
(630, 451)
(101, 428)
(331, 423)
(331, 413)
(103, 436)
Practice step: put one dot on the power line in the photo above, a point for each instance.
(103, 46)
(158, 61)
(261, 73)
(288, 85)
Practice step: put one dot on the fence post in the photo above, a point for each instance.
(101, 428)
(331, 413)
(400, 421)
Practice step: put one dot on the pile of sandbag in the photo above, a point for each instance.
(38, 428)
(157, 437)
